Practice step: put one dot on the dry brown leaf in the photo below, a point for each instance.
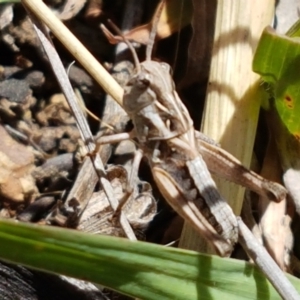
(175, 15)
(274, 220)
(6, 15)
(93, 9)
(16, 164)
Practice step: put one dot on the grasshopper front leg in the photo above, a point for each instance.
(114, 138)
(138, 155)
(133, 174)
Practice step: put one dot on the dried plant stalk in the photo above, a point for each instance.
(232, 102)
(85, 58)
(275, 223)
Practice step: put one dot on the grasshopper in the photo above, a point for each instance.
(179, 156)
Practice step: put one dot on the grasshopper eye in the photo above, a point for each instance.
(143, 84)
(144, 81)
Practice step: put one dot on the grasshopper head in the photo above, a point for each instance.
(149, 84)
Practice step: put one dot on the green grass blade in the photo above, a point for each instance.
(294, 31)
(138, 269)
(10, 1)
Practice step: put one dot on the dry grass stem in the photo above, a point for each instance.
(232, 106)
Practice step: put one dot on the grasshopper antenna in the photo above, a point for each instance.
(125, 40)
(154, 29)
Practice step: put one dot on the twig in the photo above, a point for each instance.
(264, 261)
(84, 129)
(38, 8)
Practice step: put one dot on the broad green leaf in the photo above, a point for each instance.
(277, 60)
(138, 269)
